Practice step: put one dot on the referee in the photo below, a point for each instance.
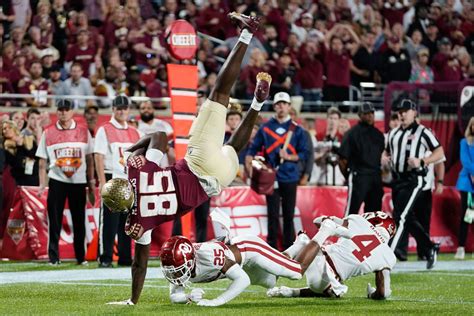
(406, 152)
(360, 153)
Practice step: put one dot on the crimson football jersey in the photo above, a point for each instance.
(162, 194)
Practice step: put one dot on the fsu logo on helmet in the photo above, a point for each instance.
(177, 260)
(381, 219)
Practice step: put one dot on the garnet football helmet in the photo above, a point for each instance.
(381, 220)
(177, 259)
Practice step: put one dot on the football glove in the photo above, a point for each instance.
(370, 290)
(195, 295)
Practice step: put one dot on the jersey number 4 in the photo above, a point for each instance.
(366, 244)
(160, 198)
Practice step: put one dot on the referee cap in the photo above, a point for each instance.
(406, 104)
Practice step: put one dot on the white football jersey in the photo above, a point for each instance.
(367, 251)
(210, 259)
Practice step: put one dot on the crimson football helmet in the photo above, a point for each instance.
(381, 220)
(177, 259)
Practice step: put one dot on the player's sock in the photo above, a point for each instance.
(301, 241)
(245, 36)
(257, 106)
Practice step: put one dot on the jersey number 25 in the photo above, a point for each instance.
(159, 197)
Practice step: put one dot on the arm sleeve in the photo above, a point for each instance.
(41, 152)
(240, 281)
(100, 144)
(466, 160)
(177, 294)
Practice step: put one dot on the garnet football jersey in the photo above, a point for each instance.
(210, 259)
(365, 252)
(162, 194)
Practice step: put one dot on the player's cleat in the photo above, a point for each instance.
(56, 263)
(262, 89)
(252, 23)
(432, 256)
(281, 291)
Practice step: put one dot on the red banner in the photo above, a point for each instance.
(26, 235)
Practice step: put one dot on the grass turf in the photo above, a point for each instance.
(435, 292)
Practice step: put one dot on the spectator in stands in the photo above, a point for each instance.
(44, 22)
(111, 141)
(249, 73)
(420, 21)
(326, 156)
(148, 74)
(212, 20)
(158, 88)
(91, 115)
(338, 64)
(37, 48)
(18, 118)
(80, 22)
(465, 185)
(116, 28)
(151, 42)
(36, 85)
(5, 84)
(148, 124)
(343, 127)
(445, 64)
(363, 65)
(136, 88)
(66, 148)
(31, 135)
(94, 10)
(421, 72)
(8, 55)
(23, 13)
(47, 61)
(77, 85)
(229, 43)
(465, 62)
(271, 136)
(271, 43)
(310, 75)
(56, 85)
(7, 15)
(430, 40)
(17, 36)
(110, 87)
(306, 31)
(59, 16)
(82, 52)
(414, 45)
(393, 10)
(394, 63)
(283, 75)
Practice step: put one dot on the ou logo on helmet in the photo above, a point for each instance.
(185, 248)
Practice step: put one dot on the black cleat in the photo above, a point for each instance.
(432, 256)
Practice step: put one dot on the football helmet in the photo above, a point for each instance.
(177, 260)
(118, 195)
(381, 220)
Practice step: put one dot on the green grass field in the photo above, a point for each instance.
(434, 292)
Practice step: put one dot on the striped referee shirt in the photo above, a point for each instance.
(412, 142)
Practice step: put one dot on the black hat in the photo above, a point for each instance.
(55, 67)
(444, 41)
(366, 107)
(406, 104)
(64, 104)
(121, 101)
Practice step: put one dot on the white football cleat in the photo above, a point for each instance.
(460, 253)
(281, 291)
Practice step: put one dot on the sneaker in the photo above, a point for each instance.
(432, 256)
(54, 263)
(262, 89)
(83, 263)
(460, 253)
(252, 23)
(105, 265)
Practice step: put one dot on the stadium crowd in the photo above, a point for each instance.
(313, 49)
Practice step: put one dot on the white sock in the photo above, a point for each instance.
(321, 236)
(245, 36)
(257, 106)
(294, 249)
